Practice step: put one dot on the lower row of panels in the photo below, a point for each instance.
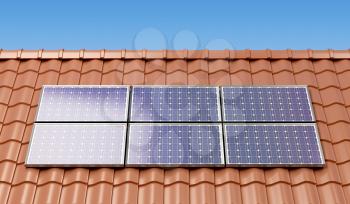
(174, 145)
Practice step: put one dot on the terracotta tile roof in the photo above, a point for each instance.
(23, 72)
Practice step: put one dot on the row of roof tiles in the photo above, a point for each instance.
(175, 54)
(330, 91)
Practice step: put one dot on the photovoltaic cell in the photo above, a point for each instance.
(77, 144)
(272, 145)
(173, 104)
(175, 145)
(83, 103)
(266, 104)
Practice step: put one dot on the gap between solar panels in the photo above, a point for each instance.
(172, 126)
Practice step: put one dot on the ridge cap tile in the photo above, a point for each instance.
(281, 54)
(112, 54)
(260, 54)
(155, 54)
(92, 54)
(135, 54)
(198, 54)
(10, 54)
(176, 54)
(71, 54)
(341, 54)
(321, 54)
(239, 54)
(30, 54)
(219, 54)
(301, 54)
(50, 54)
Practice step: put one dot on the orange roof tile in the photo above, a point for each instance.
(24, 72)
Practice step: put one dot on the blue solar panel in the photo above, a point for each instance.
(175, 145)
(78, 144)
(173, 104)
(272, 145)
(83, 103)
(267, 104)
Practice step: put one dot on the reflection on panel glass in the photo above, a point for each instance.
(77, 144)
(83, 103)
(174, 104)
(175, 145)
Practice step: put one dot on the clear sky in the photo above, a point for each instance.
(174, 24)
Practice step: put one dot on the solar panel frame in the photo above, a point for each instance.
(174, 165)
(313, 118)
(314, 125)
(121, 164)
(127, 102)
(218, 101)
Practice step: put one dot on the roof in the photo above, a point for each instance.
(23, 73)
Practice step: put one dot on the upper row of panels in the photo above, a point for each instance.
(175, 104)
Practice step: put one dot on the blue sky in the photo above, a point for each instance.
(174, 25)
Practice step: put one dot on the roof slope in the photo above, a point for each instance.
(23, 73)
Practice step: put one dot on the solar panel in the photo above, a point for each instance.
(77, 144)
(172, 104)
(172, 145)
(83, 103)
(272, 145)
(267, 104)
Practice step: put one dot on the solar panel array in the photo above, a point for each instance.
(175, 145)
(174, 126)
(175, 104)
(266, 104)
(272, 145)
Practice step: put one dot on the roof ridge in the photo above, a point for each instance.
(174, 54)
